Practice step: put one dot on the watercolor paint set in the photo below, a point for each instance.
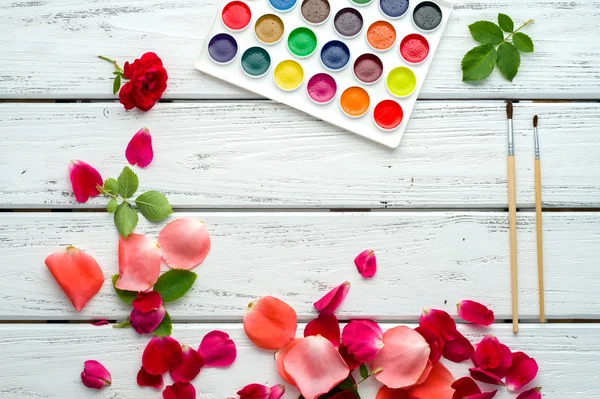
(357, 64)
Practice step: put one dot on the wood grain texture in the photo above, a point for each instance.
(432, 259)
(52, 47)
(567, 356)
(263, 155)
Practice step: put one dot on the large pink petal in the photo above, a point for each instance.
(439, 322)
(475, 313)
(185, 243)
(325, 325)
(270, 323)
(315, 366)
(436, 343)
(180, 390)
(280, 357)
(84, 180)
(147, 301)
(190, 366)
(217, 349)
(333, 299)
(366, 263)
(162, 354)
(403, 358)
(489, 353)
(145, 379)
(486, 376)
(533, 393)
(139, 150)
(436, 386)
(459, 349)
(522, 371)
(139, 263)
(363, 339)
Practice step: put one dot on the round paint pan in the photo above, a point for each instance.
(335, 55)
(302, 42)
(427, 16)
(348, 22)
(269, 29)
(222, 48)
(283, 5)
(355, 102)
(288, 75)
(255, 62)
(362, 3)
(414, 48)
(394, 8)
(321, 88)
(236, 16)
(388, 115)
(368, 68)
(315, 12)
(381, 36)
(401, 82)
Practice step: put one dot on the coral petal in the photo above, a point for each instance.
(190, 366)
(522, 371)
(139, 150)
(366, 263)
(426, 373)
(84, 180)
(277, 391)
(436, 343)
(333, 299)
(459, 349)
(147, 301)
(217, 349)
(145, 379)
(489, 353)
(185, 243)
(363, 339)
(436, 386)
(533, 393)
(403, 358)
(180, 390)
(77, 273)
(162, 354)
(464, 386)
(315, 366)
(270, 323)
(482, 375)
(475, 313)
(325, 325)
(389, 393)
(439, 322)
(139, 263)
(280, 357)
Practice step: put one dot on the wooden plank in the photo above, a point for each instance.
(51, 51)
(264, 155)
(567, 355)
(432, 259)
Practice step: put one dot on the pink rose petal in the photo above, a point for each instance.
(139, 150)
(522, 371)
(217, 349)
(162, 354)
(350, 360)
(95, 375)
(277, 391)
(180, 390)
(84, 180)
(363, 339)
(439, 322)
(259, 391)
(185, 243)
(326, 325)
(489, 353)
(145, 379)
(332, 300)
(464, 386)
(147, 301)
(459, 349)
(482, 375)
(475, 313)
(280, 357)
(139, 263)
(145, 323)
(366, 263)
(533, 393)
(190, 366)
(483, 395)
(436, 343)
(505, 363)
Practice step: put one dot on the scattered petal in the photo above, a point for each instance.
(145, 379)
(439, 322)
(162, 354)
(190, 366)
(217, 349)
(326, 325)
(270, 323)
(254, 391)
(436, 386)
(459, 349)
(147, 301)
(366, 263)
(99, 323)
(277, 391)
(533, 393)
(483, 395)
(139, 263)
(505, 363)
(332, 300)
(78, 274)
(522, 371)
(475, 313)
(350, 360)
(482, 375)
(185, 243)
(95, 375)
(464, 386)
(139, 150)
(280, 357)
(363, 339)
(180, 390)
(489, 353)
(84, 180)
(403, 358)
(436, 343)
(145, 323)
(315, 366)
(389, 393)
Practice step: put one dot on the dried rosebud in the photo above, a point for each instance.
(95, 375)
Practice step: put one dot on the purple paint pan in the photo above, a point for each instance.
(222, 48)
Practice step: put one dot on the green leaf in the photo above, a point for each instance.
(117, 84)
(111, 207)
(125, 296)
(509, 60)
(506, 23)
(128, 182)
(111, 186)
(523, 42)
(478, 63)
(125, 324)
(165, 327)
(154, 206)
(364, 371)
(126, 218)
(486, 32)
(174, 284)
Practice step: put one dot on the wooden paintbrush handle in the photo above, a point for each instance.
(538, 228)
(512, 220)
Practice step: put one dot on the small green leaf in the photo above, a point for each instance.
(509, 60)
(506, 23)
(126, 218)
(523, 42)
(154, 206)
(125, 296)
(478, 63)
(364, 371)
(165, 328)
(486, 32)
(174, 284)
(111, 207)
(128, 182)
(117, 84)
(125, 324)
(111, 186)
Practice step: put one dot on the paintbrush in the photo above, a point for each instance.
(538, 218)
(512, 217)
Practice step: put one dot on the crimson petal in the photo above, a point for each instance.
(350, 360)
(489, 353)
(464, 386)
(485, 376)
(366, 263)
(145, 379)
(217, 349)
(180, 390)
(533, 393)
(459, 349)
(475, 313)
(84, 180)
(436, 343)
(162, 354)
(332, 300)
(147, 301)
(522, 371)
(277, 391)
(439, 322)
(139, 150)
(190, 365)
(325, 325)
(505, 363)
(483, 395)
(363, 339)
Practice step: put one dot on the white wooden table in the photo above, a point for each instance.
(291, 200)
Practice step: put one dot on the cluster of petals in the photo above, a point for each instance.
(95, 375)
(139, 150)
(439, 329)
(366, 263)
(148, 312)
(85, 180)
(259, 391)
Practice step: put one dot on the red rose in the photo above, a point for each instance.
(147, 82)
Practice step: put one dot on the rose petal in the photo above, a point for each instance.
(489, 353)
(332, 300)
(95, 375)
(345, 394)
(277, 391)
(350, 360)
(436, 343)
(145, 379)
(459, 349)
(426, 373)
(475, 313)
(482, 375)
(280, 357)
(84, 180)
(217, 349)
(145, 323)
(483, 395)
(403, 358)
(325, 325)
(270, 323)
(139, 263)
(190, 366)
(180, 390)
(533, 393)
(162, 354)
(522, 371)
(436, 386)
(464, 386)
(366, 263)
(439, 322)
(254, 391)
(185, 243)
(363, 339)
(505, 363)
(147, 301)
(139, 150)
(77, 273)
(315, 366)
(389, 393)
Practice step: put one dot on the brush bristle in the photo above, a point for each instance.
(535, 121)
(509, 110)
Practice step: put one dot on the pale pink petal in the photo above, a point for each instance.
(270, 323)
(254, 391)
(436, 343)
(325, 325)
(366, 263)
(533, 393)
(459, 349)
(190, 366)
(280, 357)
(95, 375)
(217, 349)
(439, 322)
(464, 386)
(162, 354)
(84, 180)
(315, 366)
(185, 243)
(277, 391)
(522, 371)
(488, 377)
(180, 390)
(139, 150)
(403, 358)
(139, 263)
(332, 300)
(147, 301)
(488, 353)
(475, 313)
(145, 379)
(436, 386)
(363, 339)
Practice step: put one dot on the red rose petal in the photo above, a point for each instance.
(84, 180)
(162, 354)
(489, 353)
(254, 391)
(533, 393)
(333, 299)
(185, 243)
(325, 325)
(190, 366)
(464, 386)
(180, 390)
(475, 313)
(505, 363)
(436, 343)
(522, 371)
(483, 395)
(363, 339)
(145, 379)
(350, 360)
(439, 322)
(459, 349)
(482, 375)
(270, 323)
(147, 301)
(217, 349)
(139, 150)
(139, 263)
(366, 263)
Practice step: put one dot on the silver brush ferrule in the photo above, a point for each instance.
(537, 143)
(511, 138)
